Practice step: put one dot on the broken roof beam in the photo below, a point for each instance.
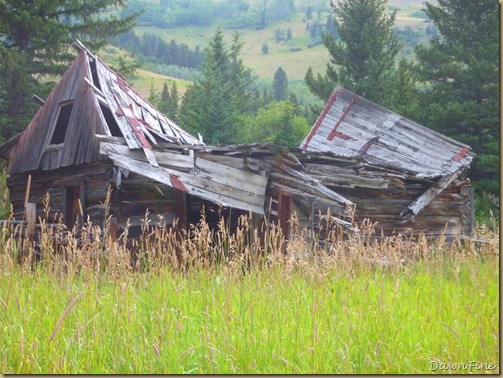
(303, 182)
(288, 168)
(164, 158)
(205, 188)
(428, 196)
(116, 106)
(39, 100)
(351, 181)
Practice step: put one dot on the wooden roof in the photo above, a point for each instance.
(351, 126)
(103, 105)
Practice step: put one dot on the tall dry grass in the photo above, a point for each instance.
(90, 248)
(206, 300)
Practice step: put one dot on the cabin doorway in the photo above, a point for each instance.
(284, 212)
(213, 214)
(72, 207)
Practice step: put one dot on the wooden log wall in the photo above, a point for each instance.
(141, 201)
(92, 180)
(448, 214)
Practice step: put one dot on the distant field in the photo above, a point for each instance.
(295, 63)
(144, 80)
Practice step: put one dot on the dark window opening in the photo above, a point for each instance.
(111, 122)
(65, 111)
(94, 73)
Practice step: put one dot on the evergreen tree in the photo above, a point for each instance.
(220, 95)
(460, 73)
(265, 48)
(35, 37)
(163, 100)
(363, 60)
(289, 34)
(168, 101)
(309, 12)
(154, 97)
(173, 101)
(280, 85)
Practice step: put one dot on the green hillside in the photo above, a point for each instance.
(294, 56)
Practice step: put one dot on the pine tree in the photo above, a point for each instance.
(174, 100)
(289, 34)
(363, 60)
(220, 95)
(35, 37)
(460, 73)
(280, 85)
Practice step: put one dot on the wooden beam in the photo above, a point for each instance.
(167, 159)
(31, 219)
(429, 195)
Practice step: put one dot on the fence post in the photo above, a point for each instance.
(31, 219)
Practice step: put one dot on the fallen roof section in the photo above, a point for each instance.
(137, 119)
(351, 126)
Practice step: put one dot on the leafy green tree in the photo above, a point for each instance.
(459, 71)
(276, 123)
(280, 85)
(363, 60)
(224, 90)
(35, 37)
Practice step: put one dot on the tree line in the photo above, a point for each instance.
(152, 48)
(238, 13)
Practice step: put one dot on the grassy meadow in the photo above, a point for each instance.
(213, 302)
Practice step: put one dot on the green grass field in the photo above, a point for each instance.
(425, 309)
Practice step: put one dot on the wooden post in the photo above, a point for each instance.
(27, 194)
(472, 212)
(181, 209)
(284, 214)
(113, 229)
(31, 219)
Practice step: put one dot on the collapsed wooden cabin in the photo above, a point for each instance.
(404, 176)
(94, 132)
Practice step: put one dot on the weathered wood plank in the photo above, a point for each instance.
(167, 159)
(253, 164)
(351, 181)
(232, 175)
(220, 194)
(422, 201)
(114, 103)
